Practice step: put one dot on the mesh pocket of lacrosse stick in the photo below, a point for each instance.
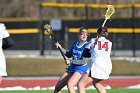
(48, 29)
(109, 11)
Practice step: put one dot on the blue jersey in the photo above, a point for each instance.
(76, 52)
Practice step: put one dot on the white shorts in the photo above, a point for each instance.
(101, 68)
(3, 66)
(100, 72)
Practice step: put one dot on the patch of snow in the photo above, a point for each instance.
(134, 87)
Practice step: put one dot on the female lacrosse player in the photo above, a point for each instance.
(5, 42)
(99, 48)
(77, 66)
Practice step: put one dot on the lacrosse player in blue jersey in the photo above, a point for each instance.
(77, 66)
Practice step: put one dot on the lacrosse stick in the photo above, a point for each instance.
(48, 29)
(109, 12)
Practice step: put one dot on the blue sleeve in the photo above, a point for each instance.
(69, 53)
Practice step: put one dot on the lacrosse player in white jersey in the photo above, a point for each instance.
(100, 49)
(5, 42)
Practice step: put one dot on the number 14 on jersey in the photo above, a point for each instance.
(102, 45)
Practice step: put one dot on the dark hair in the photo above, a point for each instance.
(102, 31)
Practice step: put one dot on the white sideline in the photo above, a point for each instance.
(57, 77)
(65, 88)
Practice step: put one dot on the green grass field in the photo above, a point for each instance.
(65, 91)
(45, 67)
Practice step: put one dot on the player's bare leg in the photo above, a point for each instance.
(62, 82)
(85, 79)
(100, 88)
(73, 82)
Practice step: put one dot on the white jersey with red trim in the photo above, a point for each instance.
(3, 34)
(101, 62)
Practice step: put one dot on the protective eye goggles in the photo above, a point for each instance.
(82, 33)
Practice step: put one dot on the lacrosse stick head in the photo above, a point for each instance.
(48, 29)
(110, 11)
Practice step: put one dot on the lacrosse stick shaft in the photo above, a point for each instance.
(48, 29)
(104, 22)
(59, 49)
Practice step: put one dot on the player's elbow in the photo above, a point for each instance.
(86, 53)
(7, 43)
(68, 55)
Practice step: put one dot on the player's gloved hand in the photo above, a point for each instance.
(67, 62)
(57, 45)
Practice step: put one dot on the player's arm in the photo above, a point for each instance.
(79, 62)
(7, 42)
(67, 53)
(86, 53)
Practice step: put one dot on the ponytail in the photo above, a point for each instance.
(96, 40)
